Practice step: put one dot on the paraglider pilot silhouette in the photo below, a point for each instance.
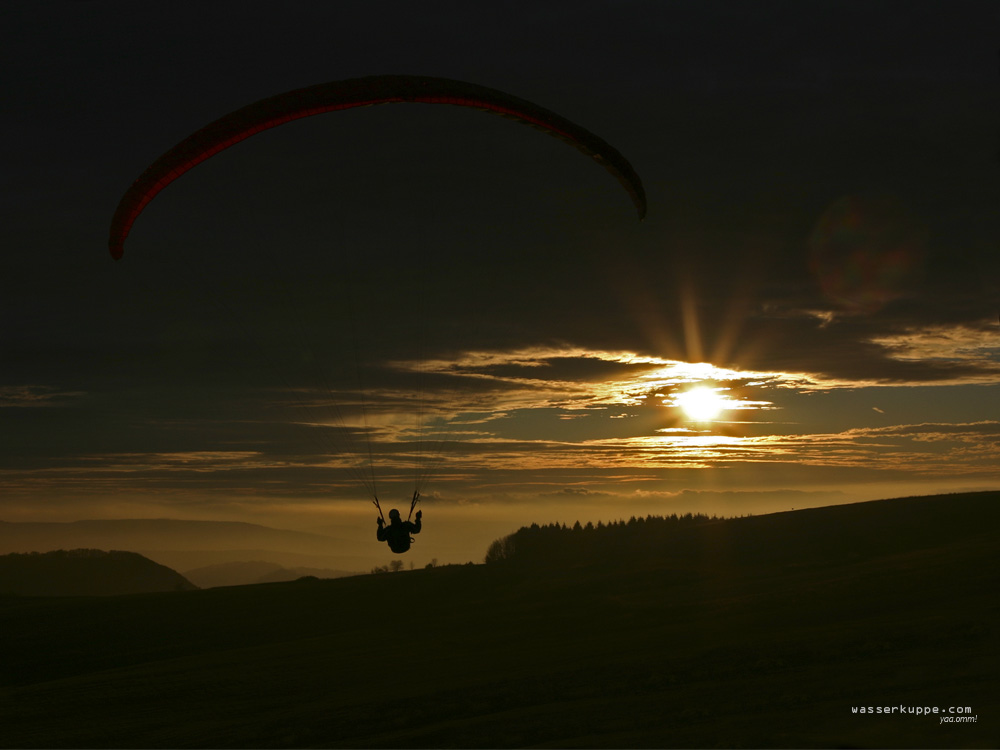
(397, 533)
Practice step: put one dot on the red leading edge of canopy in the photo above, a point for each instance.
(192, 151)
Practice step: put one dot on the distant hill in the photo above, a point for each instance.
(86, 572)
(157, 534)
(293, 574)
(245, 573)
(183, 545)
(231, 573)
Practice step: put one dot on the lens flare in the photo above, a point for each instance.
(867, 250)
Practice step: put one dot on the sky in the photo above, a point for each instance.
(408, 293)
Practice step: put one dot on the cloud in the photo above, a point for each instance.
(974, 348)
(32, 396)
(499, 384)
(578, 378)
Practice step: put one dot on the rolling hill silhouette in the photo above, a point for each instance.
(837, 533)
(254, 571)
(178, 544)
(86, 572)
(758, 632)
(156, 533)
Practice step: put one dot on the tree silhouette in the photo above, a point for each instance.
(558, 544)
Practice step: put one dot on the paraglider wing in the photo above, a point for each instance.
(358, 92)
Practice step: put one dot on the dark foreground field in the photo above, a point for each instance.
(763, 632)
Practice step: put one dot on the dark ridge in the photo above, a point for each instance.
(86, 572)
(839, 532)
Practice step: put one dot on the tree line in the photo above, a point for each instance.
(555, 543)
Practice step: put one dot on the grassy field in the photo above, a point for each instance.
(750, 638)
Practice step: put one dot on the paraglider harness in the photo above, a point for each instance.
(389, 538)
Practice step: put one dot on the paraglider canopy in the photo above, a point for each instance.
(357, 92)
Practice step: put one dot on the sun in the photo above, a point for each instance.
(701, 404)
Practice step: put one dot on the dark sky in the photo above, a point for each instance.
(821, 236)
